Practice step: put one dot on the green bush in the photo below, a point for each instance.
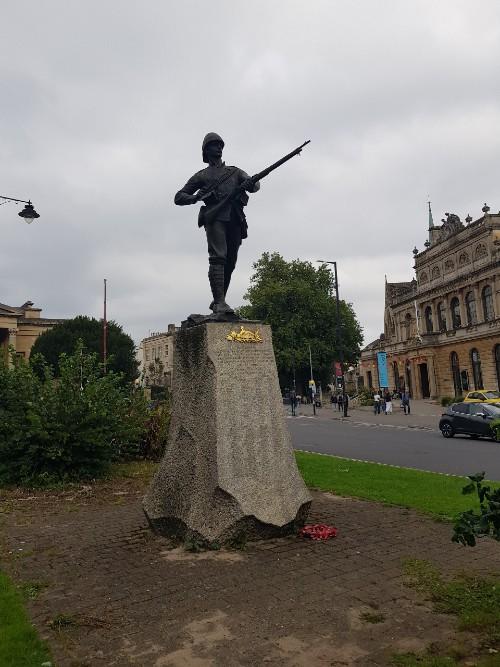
(156, 432)
(495, 429)
(448, 400)
(470, 524)
(67, 428)
(365, 396)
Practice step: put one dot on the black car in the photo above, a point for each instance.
(472, 419)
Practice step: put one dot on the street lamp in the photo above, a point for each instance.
(339, 341)
(28, 213)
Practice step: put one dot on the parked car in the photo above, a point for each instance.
(472, 419)
(483, 396)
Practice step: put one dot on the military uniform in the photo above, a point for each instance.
(225, 233)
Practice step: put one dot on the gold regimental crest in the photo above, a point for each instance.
(245, 336)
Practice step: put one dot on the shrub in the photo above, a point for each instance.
(365, 397)
(448, 400)
(470, 525)
(495, 429)
(156, 432)
(67, 428)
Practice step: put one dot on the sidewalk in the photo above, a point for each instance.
(423, 413)
(128, 597)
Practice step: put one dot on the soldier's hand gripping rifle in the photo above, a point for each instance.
(208, 214)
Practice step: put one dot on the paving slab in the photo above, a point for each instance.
(124, 596)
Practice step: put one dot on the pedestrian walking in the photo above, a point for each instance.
(333, 399)
(406, 402)
(376, 403)
(340, 402)
(388, 402)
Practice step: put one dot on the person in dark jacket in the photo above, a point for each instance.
(405, 399)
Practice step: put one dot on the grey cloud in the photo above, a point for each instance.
(104, 106)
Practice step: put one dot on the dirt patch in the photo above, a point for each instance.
(180, 555)
(325, 651)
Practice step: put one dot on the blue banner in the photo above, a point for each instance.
(382, 370)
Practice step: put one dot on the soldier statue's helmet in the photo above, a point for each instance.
(211, 136)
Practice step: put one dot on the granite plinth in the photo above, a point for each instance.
(229, 465)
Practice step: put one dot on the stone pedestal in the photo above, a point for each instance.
(229, 465)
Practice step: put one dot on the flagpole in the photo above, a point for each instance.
(104, 333)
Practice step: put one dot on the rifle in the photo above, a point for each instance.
(207, 215)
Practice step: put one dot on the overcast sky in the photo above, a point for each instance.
(104, 106)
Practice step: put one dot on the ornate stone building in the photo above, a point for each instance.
(157, 362)
(442, 330)
(20, 327)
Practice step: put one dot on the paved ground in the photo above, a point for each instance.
(423, 413)
(125, 597)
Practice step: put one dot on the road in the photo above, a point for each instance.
(420, 446)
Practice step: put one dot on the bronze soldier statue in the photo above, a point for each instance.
(224, 192)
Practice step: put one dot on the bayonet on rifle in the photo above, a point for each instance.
(208, 215)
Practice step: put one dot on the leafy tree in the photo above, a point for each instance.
(64, 337)
(298, 301)
(69, 428)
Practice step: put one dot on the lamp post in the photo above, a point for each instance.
(28, 213)
(338, 336)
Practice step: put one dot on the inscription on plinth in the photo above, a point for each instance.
(229, 463)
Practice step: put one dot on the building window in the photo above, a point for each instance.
(369, 380)
(456, 320)
(166, 350)
(463, 259)
(395, 370)
(442, 316)
(496, 353)
(488, 310)
(147, 355)
(435, 273)
(424, 278)
(428, 319)
(455, 371)
(476, 369)
(470, 306)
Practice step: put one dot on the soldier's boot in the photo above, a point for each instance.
(226, 286)
(216, 278)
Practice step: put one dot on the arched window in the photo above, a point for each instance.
(428, 319)
(424, 278)
(476, 369)
(470, 306)
(455, 372)
(442, 316)
(463, 259)
(496, 354)
(395, 371)
(435, 273)
(408, 379)
(456, 320)
(488, 310)
(449, 266)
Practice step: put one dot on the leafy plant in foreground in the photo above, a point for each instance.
(66, 428)
(472, 524)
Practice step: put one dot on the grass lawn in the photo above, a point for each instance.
(437, 495)
(19, 642)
